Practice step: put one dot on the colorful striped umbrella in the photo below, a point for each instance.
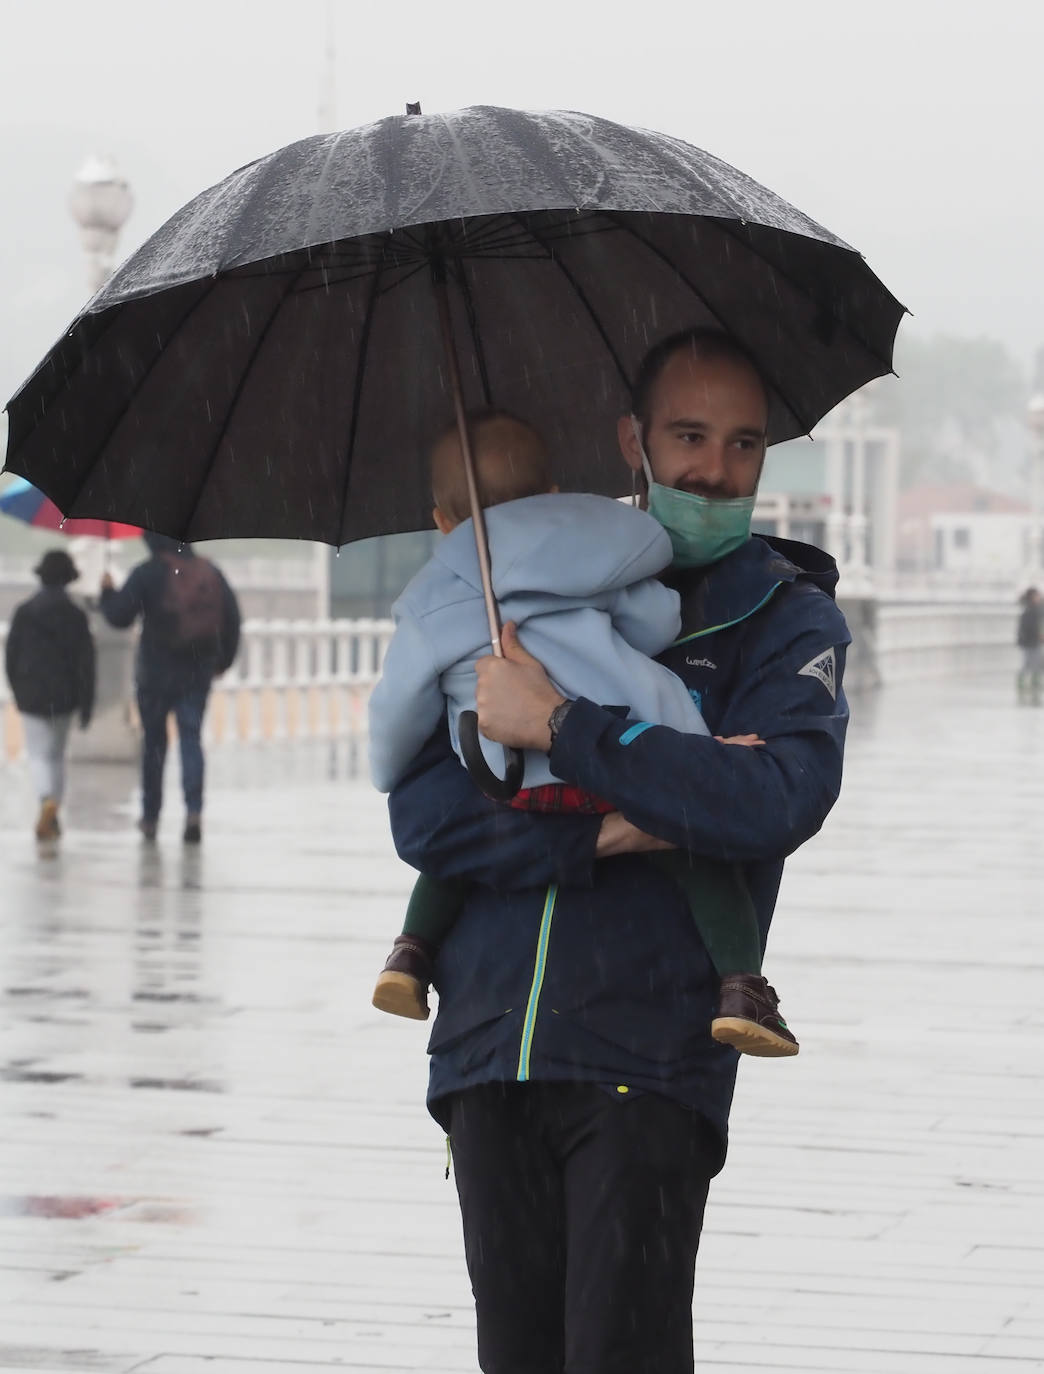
(32, 507)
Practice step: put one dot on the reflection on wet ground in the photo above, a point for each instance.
(214, 1157)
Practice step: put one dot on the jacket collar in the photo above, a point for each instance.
(739, 584)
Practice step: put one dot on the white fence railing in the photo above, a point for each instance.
(934, 639)
(312, 679)
(291, 680)
(299, 679)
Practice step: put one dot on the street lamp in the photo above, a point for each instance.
(100, 202)
(1035, 420)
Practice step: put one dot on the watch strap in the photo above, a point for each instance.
(555, 719)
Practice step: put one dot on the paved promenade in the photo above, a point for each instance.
(214, 1157)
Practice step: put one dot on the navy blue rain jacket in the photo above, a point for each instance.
(562, 967)
(159, 665)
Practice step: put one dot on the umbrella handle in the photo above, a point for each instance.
(497, 789)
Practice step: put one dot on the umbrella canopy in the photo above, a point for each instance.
(23, 501)
(270, 362)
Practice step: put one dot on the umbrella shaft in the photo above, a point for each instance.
(478, 519)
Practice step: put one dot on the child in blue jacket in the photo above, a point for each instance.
(577, 573)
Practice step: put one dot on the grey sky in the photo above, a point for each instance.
(912, 128)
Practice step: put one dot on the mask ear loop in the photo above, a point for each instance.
(646, 468)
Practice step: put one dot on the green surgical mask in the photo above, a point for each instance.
(702, 529)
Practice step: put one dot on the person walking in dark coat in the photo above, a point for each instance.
(50, 665)
(189, 635)
(1031, 641)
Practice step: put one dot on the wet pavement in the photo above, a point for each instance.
(214, 1157)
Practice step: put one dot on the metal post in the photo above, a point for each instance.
(100, 202)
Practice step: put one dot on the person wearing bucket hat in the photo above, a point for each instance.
(50, 665)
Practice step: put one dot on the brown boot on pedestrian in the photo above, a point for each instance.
(748, 1018)
(193, 832)
(47, 827)
(402, 988)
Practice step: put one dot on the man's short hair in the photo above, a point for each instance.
(511, 461)
(706, 343)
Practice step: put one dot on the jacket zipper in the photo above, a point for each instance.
(713, 629)
(529, 1021)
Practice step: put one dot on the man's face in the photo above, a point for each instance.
(706, 429)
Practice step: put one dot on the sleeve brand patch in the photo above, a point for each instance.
(823, 667)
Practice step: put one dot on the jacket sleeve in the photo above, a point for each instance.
(121, 606)
(723, 801)
(648, 615)
(444, 826)
(85, 669)
(231, 623)
(406, 704)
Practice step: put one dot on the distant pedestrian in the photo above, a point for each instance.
(50, 666)
(190, 635)
(1031, 626)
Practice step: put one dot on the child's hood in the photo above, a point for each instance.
(563, 544)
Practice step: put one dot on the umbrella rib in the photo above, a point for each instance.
(230, 409)
(727, 228)
(401, 281)
(476, 338)
(658, 252)
(364, 341)
(128, 401)
(581, 296)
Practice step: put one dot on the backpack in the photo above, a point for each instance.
(194, 603)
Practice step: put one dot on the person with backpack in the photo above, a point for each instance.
(189, 635)
(49, 657)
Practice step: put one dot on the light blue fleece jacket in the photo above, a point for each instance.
(577, 575)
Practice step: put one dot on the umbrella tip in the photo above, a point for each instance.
(413, 107)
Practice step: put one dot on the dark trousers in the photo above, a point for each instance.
(188, 706)
(582, 1216)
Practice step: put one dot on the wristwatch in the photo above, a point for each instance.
(555, 719)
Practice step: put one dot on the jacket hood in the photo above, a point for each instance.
(562, 544)
(808, 563)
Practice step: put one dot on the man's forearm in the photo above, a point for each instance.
(618, 836)
(695, 793)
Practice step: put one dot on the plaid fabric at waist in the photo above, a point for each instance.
(561, 796)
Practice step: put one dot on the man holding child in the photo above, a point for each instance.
(573, 1065)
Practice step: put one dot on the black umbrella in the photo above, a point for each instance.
(274, 361)
(270, 362)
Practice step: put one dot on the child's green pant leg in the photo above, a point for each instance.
(721, 907)
(433, 908)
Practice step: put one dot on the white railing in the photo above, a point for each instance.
(299, 679)
(312, 679)
(291, 680)
(930, 639)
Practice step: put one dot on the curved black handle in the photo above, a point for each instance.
(497, 789)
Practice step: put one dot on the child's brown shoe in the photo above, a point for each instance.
(748, 1018)
(402, 988)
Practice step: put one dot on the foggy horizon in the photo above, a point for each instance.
(912, 133)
